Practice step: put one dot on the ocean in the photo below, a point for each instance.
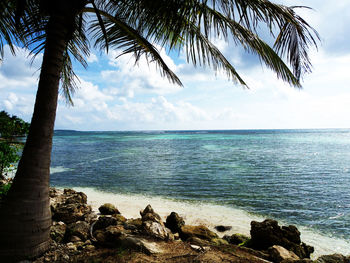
(299, 177)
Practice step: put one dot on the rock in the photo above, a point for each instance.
(199, 248)
(104, 221)
(110, 236)
(90, 247)
(53, 192)
(149, 215)
(108, 209)
(79, 229)
(335, 258)
(265, 234)
(236, 239)
(70, 213)
(87, 242)
(74, 239)
(71, 246)
(291, 233)
(68, 206)
(197, 241)
(101, 237)
(305, 260)
(114, 232)
(79, 245)
(120, 219)
(303, 250)
(140, 244)
(174, 222)
(278, 254)
(153, 225)
(223, 228)
(90, 217)
(73, 197)
(58, 232)
(219, 241)
(268, 233)
(157, 230)
(133, 225)
(147, 210)
(196, 248)
(201, 232)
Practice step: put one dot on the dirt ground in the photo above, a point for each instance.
(172, 252)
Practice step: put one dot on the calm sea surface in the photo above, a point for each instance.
(298, 176)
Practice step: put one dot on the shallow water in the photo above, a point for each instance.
(298, 176)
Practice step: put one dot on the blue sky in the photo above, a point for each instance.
(116, 95)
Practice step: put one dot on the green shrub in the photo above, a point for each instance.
(4, 190)
(9, 155)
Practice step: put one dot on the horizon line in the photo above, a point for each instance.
(198, 130)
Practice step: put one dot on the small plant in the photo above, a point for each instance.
(9, 155)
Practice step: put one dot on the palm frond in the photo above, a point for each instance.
(295, 36)
(167, 22)
(121, 35)
(296, 39)
(68, 79)
(10, 34)
(77, 47)
(251, 43)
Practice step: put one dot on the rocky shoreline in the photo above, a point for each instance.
(80, 235)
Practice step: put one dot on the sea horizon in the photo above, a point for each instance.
(210, 130)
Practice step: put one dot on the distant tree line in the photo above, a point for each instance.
(11, 127)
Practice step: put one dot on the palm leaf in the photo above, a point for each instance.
(121, 35)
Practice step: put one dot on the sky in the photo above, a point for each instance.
(117, 95)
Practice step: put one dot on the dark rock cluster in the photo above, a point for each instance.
(268, 233)
(76, 229)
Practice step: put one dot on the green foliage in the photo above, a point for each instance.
(4, 190)
(12, 126)
(9, 155)
(246, 243)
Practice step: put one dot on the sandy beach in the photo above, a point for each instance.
(207, 214)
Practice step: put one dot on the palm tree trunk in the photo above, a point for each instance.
(25, 217)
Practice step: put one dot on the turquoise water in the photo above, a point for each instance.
(298, 176)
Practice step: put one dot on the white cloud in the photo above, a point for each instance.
(123, 96)
(157, 111)
(92, 58)
(129, 78)
(16, 72)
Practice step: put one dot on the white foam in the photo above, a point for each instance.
(209, 215)
(59, 169)
(102, 159)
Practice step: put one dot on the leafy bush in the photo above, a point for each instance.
(9, 155)
(4, 190)
(10, 128)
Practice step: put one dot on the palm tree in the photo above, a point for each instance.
(61, 29)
